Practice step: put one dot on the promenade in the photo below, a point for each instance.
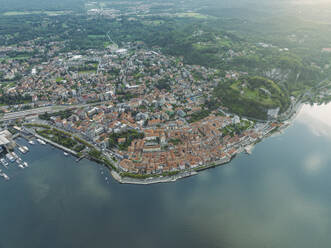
(152, 180)
(53, 143)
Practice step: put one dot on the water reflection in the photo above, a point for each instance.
(317, 118)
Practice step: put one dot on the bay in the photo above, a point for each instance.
(277, 197)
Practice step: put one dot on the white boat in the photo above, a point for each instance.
(21, 149)
(66, 154)
(25, 164)
(31, 142)
(25, 148)
(4, 175)
(21, 166)
(4, 162)
(14, 155)
(10, 157)
(41, 141)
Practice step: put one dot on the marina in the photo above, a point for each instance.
(17, 152)
(15, 156)
(4, 162)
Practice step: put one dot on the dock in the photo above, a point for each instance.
(80, 158)
(216, 163)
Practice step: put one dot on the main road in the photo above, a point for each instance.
(43, 110)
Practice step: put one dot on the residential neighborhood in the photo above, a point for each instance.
(150, 114)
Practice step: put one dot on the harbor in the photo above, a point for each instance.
(13, 158)
(15, 147)
(55, 191)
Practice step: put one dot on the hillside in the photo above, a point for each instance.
(252, 96)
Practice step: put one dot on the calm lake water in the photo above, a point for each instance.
(280, 196)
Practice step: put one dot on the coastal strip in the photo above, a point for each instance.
(152, 180)
(56, 145)
(155, 179)
(50, 142)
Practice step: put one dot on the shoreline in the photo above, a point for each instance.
(155, 179)
(162, 179)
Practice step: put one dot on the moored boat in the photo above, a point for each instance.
(4, 162)
(21, 149)
(14, 155)
(41, 141)
(10, 157)
(4, 175)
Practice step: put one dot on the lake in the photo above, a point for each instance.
(280, 196)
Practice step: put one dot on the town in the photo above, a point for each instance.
(144, 111)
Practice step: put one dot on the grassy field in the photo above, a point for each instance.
(252, 94)
(96, 36)
(191, 15)
(154, 23)
(49, 13)
(87, 72)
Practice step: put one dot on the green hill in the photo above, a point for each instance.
(252, 96)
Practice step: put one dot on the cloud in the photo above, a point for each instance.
(313, 163)
(271, 211)
(317, 119)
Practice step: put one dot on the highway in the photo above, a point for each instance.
(42, 110)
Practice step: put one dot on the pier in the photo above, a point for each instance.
(80, 158)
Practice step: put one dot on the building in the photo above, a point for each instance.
(6, 139)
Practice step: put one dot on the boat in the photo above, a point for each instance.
(21, 166)
(25, 164)
(4, 175)
(21, 149)
(31, 142)
(10, 157)
(4, 162)
(14, 155)
(25, 148)
(41, 141)
(66, 154)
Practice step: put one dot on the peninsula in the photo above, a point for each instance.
(152, 91)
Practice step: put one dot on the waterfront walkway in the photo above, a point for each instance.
(151, 180)
(56, 145)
